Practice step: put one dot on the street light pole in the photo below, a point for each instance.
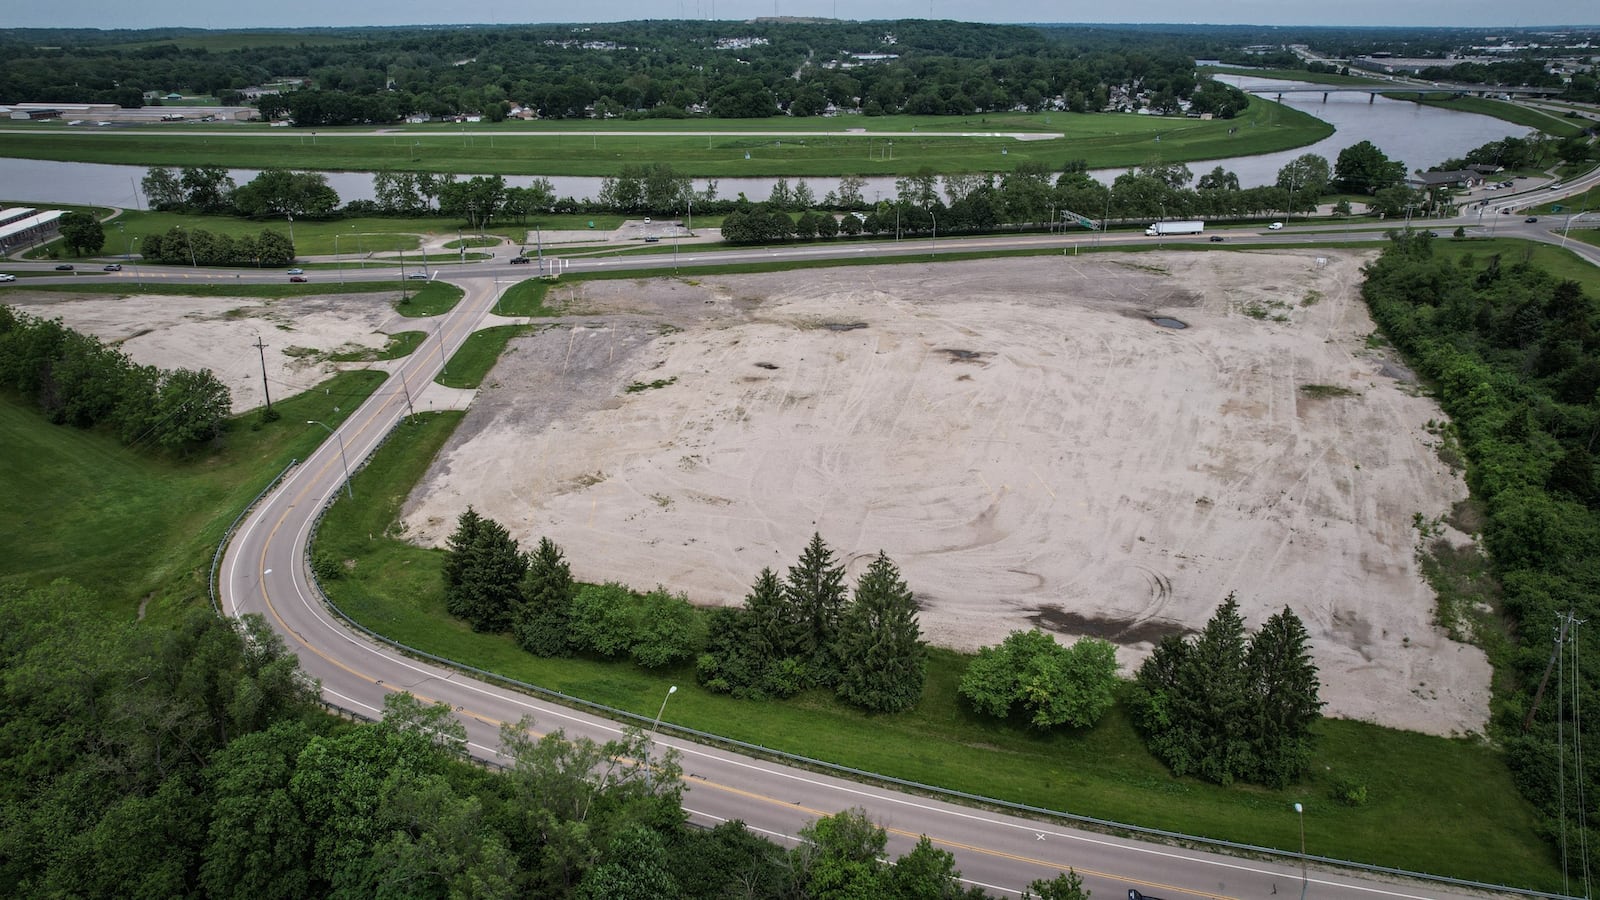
(339, 258)
(1304, 878)
(350, 492)
(656, 726)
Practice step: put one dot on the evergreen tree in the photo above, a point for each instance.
(817, 595)
(457, 559)
(773, 620)
(492, 585)
(1225, 709)
(1283, 682)
(1215, 696)
(881, 648)
(543, 624)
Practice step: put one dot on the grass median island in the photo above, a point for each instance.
(525, 298)
(746, 147)
(432, 299)
(1444, 790)
(131, 524)
(477, 355)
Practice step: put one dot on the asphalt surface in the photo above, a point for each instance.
(264, 572)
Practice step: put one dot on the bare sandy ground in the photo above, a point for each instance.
(1017, 435)
(220, 335)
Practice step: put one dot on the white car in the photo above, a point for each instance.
(1275, 226)
(5, 276)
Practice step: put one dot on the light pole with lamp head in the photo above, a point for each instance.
(350, 492)
(654, 727)
(338, 258)
(1300, 811)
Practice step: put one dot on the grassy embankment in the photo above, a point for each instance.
(1328, 78)
(134, 523)
(944, 144)
(1444, 789)
(1499, 109)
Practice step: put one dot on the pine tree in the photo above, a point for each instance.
(457, 558)
(817, 595)
(1214, 696)
(543, 624)
(489, 587)
(880, 647)
(1284, 686)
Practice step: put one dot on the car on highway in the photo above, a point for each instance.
(1275, 226)
(114, 267)
(298, 279)
(64, 267)
(297, 271)
(418, 276)
(652, 239)
(1216, 239)
(1531, 219)
(519, 260)
(6, 276)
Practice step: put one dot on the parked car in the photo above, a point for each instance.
(297, 271)
(297, 278)
(1531, 219)
(64, 267)
(519, 260)
(114, 267)
(1275, 226)
(1216, 239)
(6, 276)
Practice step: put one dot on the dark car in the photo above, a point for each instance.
(114, 267)
(652, 239)
(1216, 239)
(418, 276)
(1531, 219)
(519, 260)
(64, 267)
(297, 278)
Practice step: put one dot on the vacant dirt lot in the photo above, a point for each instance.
(220, 334)
(1018, 436)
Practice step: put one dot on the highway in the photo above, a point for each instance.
(264, 571)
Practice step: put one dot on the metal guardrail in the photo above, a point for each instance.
(222, 545)
(876, 777)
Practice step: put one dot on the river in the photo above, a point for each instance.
(1420, 136)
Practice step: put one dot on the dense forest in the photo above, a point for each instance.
(1515, 355)
(722, 69)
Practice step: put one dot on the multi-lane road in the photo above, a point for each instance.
(264, 572)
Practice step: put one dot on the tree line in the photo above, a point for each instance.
(76, 380)
(1221, 707)
(1515, 354)
(790, 636)
(194, 760)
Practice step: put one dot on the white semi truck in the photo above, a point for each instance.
(1163, 229)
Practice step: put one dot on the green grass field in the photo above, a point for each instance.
(945, 144)
(434, 298)
(1499, 109)
(132, 524)
(1463, 817)
(525, 298)
(478, 355)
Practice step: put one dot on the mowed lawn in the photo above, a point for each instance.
(858, 145)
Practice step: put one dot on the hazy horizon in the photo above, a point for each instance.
(399, 13)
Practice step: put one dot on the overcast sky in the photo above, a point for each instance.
(303, 13)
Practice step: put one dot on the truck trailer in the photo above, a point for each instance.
(1163, 229)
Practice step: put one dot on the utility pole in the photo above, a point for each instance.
(261, 348)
